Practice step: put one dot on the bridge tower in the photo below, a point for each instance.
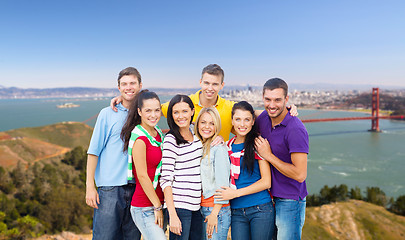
(375, 106)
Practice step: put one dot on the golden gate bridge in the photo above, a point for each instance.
(375, 116)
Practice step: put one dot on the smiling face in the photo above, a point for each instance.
(206, 126)
(150, 112)
(129, 87)
(210, 86)
(242, 122)
(182, 114)
(275, 102)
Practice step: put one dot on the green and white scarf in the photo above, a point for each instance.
(137, 132)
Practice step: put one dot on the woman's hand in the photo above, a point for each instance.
(212, 222)
(225, 193)
(263, 147)
(175, 224)
(159, 217)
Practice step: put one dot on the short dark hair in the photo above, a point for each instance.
(174, 129)
(274, 83)
(214, 69)
(129, 71)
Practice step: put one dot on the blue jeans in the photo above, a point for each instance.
(191, 225)
(144, 218)
(224, 222)
(112, 219)
(254, 223)
(290, 217)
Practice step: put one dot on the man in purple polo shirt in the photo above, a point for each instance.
(285, 145)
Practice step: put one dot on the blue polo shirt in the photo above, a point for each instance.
(107, 145)
(288, 137)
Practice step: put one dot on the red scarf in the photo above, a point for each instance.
(235, 161)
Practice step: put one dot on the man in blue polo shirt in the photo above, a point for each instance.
(285, 145)
(107, 165)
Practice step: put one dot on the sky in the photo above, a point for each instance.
(51, 43)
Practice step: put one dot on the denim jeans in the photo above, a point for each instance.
(290, 217)
(254, 223)
(224, 222)
(144, 218)
(112, 219)
(191, 225)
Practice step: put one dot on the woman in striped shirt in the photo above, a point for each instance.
(180, 179)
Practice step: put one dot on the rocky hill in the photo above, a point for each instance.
(353, 219)
(29, 145)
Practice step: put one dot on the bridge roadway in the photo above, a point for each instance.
(350, 118)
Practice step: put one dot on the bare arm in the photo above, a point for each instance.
(174, 221)
(296, 170)
(293, 110)
(92, 198)
(141, 168)
(166, 180)
(142, 173)
(263, 183)
(212, 220)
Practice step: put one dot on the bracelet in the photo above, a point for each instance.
(157, 208)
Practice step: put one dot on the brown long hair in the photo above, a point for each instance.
(133, 117)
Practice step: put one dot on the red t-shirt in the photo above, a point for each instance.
(153, 157)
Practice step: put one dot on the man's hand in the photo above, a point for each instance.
(293, 110)
(218, 140)
(92, 198)
(115, 101)
(263, 147)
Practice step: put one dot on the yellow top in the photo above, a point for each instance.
(223, 106)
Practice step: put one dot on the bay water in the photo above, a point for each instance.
(342, 152)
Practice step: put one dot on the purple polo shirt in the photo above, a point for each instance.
(285, 138)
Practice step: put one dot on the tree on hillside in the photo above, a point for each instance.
(376, 196)
(18, 175)
(355, 193)
(77, 158)
(398, 206)
(6, 184)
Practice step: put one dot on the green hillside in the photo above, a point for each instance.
(65, 134)
(29, 145)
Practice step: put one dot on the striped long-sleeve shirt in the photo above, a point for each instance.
(181, 171)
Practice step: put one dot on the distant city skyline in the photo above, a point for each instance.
(48, 44)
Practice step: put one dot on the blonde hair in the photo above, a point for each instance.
(213, 112)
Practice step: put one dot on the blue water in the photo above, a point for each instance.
(340, 152)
